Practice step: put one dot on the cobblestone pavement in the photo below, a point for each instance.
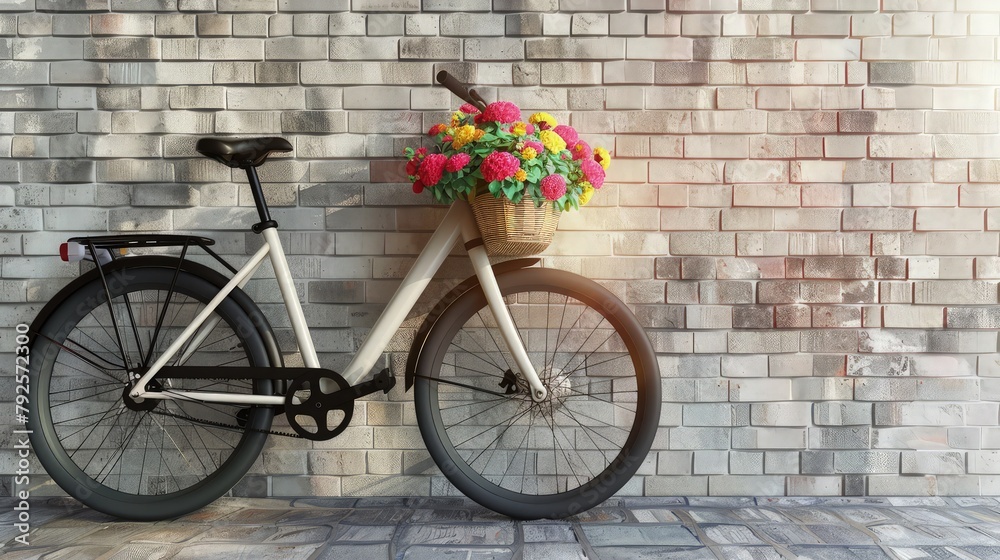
(455, 528)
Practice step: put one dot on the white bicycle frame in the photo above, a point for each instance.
(458, 223)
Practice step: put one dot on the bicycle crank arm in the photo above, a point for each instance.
(381, 381)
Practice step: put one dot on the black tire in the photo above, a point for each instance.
(132, 463)
(599, 443)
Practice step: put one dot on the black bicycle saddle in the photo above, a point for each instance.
(241, 152)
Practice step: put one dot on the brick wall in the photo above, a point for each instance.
(801, 208)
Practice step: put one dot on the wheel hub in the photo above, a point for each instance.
(140, 404)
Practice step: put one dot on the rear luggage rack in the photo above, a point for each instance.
(100, 247)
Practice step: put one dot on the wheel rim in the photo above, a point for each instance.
(524, 451)
(125, 451)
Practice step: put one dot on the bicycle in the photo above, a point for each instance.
(155, 379)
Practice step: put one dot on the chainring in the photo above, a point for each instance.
(305, 400)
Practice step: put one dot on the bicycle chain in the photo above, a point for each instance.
(222, 425)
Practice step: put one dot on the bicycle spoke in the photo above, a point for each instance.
(510, 423)
(117, 383)
(520, 445)
(94, 354)
(489, 332)
(78, 399)
(464, 420)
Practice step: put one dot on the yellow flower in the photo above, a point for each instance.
(463, 135)
(519, 129)
(543, 117)
(455, 120)
(603, 157)
(588, 192)
(552, 141)
(479, 134)
(521, 175)
(529, 153)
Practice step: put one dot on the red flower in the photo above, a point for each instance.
(593, 172)
(567, 133)
(412, 166)
(436, 129)
(502, 112)
(447, 139)
(499, 166)
(432, 167)
(553, 186)
(581, 150)
(418, 187)
(469, 109)
(457, 162)
(421, 152)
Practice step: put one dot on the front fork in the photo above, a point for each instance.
(488, 281)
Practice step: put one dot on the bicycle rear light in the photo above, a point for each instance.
(72, 251)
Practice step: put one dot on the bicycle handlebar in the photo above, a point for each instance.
(456, 87)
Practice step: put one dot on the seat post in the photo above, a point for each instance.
(258, 198)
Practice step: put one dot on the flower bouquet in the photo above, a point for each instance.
(532, 171)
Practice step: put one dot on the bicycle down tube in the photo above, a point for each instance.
(458, 223)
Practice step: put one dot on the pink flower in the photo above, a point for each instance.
(537, 146)
(502, 112)
(567, 133)
(457, 162)
(469, 109)
(529, 128)
(499, 166)
(418, 187)
(432, 167)
(593, 172)
(581, 150)
(553, 186)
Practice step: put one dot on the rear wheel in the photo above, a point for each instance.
(143, 459)
(572, 450)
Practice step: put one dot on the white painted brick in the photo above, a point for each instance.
(896, 147)
(920, 24)
(871, 25)
(828, 49)
(964, 98)
(821, 24)
(985, 24)
(760, 390)
(955, 219)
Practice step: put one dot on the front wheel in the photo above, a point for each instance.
(556, 457)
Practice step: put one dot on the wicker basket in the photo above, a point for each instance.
(514, 230)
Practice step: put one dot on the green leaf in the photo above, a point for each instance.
(494, 187)
(511, 190)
